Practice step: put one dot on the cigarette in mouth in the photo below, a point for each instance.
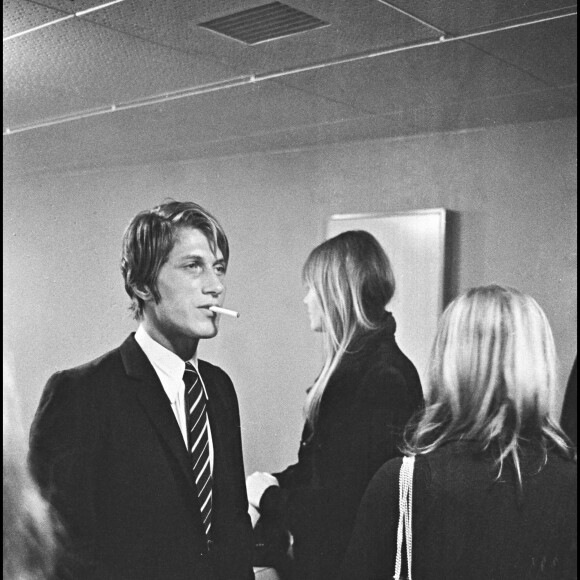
(219, 310)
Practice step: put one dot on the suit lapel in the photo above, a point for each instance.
(216, 413)
(153, 399)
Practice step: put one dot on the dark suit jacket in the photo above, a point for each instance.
(107, 451)
(365, 407)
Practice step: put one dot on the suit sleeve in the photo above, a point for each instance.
(64, 444)
(276, 505)
(300, 472)
(233, 553)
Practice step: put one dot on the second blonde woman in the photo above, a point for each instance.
(356, 410)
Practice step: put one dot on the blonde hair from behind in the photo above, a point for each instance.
(29, 527)
(491, 376)
(352, 278)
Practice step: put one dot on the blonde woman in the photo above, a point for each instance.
(356, 410)
(494, 486)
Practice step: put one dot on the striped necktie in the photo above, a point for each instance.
(197, 428)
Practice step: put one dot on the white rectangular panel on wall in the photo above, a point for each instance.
(415, 244)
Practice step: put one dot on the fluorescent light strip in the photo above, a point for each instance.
(151, 100)
(67, 17)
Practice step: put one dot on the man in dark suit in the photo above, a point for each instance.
(140, 450)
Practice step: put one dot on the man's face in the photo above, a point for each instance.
(191, 280)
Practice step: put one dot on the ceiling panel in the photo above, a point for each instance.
(490, 112)
(538, 49)
(133, 138)
(86, 66)
(460, 17)
(74, 5)
(354, 27)
(135, 49)
(181, 124)
(419, 77)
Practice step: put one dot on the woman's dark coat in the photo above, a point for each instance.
(365, 406)
(467, 523)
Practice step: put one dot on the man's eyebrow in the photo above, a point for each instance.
(202, 257)
(192, 257)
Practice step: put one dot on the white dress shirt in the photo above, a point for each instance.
(170, 368)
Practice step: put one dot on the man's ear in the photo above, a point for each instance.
(143, 292)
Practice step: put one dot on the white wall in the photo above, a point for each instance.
(514, 188)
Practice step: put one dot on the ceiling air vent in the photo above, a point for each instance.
(263, 23)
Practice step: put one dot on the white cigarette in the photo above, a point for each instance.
(219, 310)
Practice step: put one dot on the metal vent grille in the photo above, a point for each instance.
(263, 23)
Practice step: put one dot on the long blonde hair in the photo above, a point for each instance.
(30, 529)
(352, 278)
(491, 377)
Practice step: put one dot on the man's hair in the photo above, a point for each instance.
(352, 278)
(491, 377)
(150, 237)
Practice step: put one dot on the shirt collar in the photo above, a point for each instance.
(165, 361)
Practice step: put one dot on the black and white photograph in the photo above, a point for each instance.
(290, 289)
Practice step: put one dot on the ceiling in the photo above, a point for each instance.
(140, 81)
